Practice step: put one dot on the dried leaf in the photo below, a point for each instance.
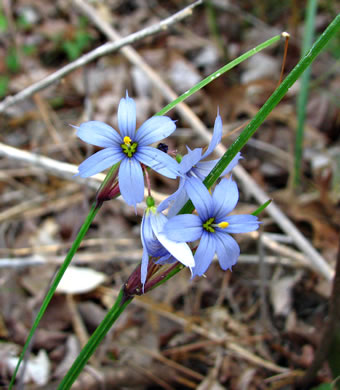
(37, 369)
(77, 280)
(281, 294)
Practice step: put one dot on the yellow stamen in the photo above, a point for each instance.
(127, 140)
(223, 225)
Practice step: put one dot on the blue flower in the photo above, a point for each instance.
(130, 148)
(193, 166)
(156, 244)
(212, 225)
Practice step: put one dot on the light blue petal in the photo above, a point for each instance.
(99, 161)
(203, 168)
(157, 244)
(98, 133)
(190, 159)
(183, 228)
(145, 236)
(204, 253)
(180, 250)
(216, 139)
(131, 181)
(146, 229)
(149, 240)
(158, 161)
(144, 267)
(200, 197)
(127, 117)
(155, 129)
(227, 250)
(243, 223)
(225, 198)
(179, 202)
(157, 221)
(170, 199)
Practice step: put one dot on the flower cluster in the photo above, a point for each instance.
(165, 238)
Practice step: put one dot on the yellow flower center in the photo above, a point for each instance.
(128, 147)
(127, 140)
(210, 226)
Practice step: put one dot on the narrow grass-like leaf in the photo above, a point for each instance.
(213, 27)
(262, 207)
(94, 341)
(303, 94)
(94, 210)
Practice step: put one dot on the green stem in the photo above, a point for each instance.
(94, 210)
(98, 335)
(214, 29)
(262, 207)
(303, 94)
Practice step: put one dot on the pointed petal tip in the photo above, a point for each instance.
(127, 117)
(218, 119)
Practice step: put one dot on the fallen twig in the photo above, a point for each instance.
(207, 333)
(100, 51)
(60, 169)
